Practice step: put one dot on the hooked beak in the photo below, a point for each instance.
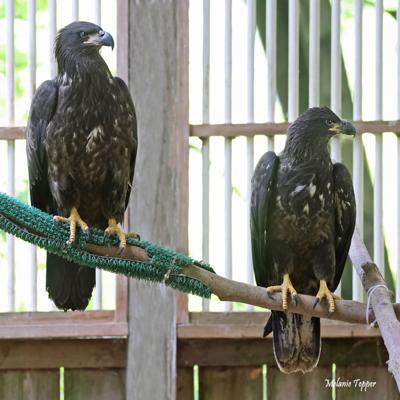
(106, 39)
(345, 127)
(101, 39)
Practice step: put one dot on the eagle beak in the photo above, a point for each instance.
(345, 127)
(105, 39)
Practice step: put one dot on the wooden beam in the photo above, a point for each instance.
(158, 79)
(61, 325)
(12, 133)
(243, 352)
(270, 129)
(233, 130)
(250, 325)
(67, 353)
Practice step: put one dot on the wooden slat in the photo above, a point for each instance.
(218, 325)
(245, 352)
(298, 386)
(94, 384)
(384, 388)
(233, 130)
(270, 129)
(61, 325)
(184, 383)
(44, 331)
(121, 301)
(68, 353)
(158, 49)
(233, 383)
(32, 385)
(217, 352)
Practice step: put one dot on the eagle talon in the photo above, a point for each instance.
(285, 288)
(324, 292)
(73, 220)
(114, 229)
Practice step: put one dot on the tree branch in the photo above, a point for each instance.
(230, 290)
(380, 300)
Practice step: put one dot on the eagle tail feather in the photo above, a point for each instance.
(69, 285)
(297, 341)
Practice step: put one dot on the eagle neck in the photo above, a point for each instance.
(81, 67)
(306, 153)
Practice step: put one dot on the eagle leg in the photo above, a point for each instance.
(324, 292)
(73, 220)
(285, 288)
(115, 229)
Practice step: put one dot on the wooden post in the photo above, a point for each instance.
(158, 79)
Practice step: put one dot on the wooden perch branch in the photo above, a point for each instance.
(230, 290)
(380, 301)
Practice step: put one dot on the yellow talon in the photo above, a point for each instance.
(285, 288)
(73, 220)
(324, 292)
(115, 229)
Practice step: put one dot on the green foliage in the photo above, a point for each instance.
(21, 8)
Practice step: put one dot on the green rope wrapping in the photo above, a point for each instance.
(164, 265)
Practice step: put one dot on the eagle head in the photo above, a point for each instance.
(313, 129)
(80, 39)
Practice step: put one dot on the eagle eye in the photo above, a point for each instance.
(82, 34)
(330, 122)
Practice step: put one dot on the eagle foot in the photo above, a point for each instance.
(115, 229)
(285, 288)
(324, 292)
(73, 220)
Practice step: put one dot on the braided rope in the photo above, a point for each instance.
(164, 265)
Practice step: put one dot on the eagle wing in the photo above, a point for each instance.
(44, 105)
(345, 216)
(262, 197)
(131, 109)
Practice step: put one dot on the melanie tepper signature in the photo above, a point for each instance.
(356, 383)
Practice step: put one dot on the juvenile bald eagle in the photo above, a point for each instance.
(302, 221)
(81, 148)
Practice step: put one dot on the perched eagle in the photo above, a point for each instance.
(302, 221)
(81, 148)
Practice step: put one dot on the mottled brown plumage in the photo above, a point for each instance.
(302, 221)
(81, 147)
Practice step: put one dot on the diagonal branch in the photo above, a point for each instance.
(384, 311)
(230, 290)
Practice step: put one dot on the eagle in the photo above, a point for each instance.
(81, 150)
(302, 218)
